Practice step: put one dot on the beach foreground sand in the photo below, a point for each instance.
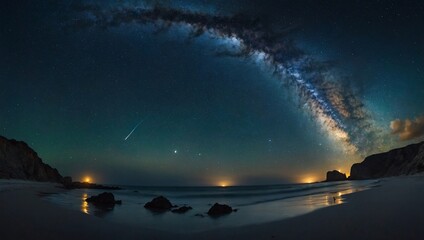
(392, 211)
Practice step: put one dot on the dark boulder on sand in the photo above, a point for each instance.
(159, 204)
(219, 209)
(335, 176)
(103, 199)
(182, 209)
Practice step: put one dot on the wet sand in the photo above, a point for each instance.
(392, 211)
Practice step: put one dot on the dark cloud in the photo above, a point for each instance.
(408, 129)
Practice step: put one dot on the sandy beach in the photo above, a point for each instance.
(26, 215)
(391, 211)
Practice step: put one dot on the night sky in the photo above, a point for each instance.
(241, 92)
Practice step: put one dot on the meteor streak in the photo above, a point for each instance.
(125, 139)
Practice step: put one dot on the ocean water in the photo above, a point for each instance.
(14, 184)
(254, 204)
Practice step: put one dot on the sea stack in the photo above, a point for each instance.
(335, 176)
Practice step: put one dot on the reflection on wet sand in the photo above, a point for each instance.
(99, 211)
(84, 204)
(329, 198)
(335, 198)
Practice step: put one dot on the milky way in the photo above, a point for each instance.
(332, 103)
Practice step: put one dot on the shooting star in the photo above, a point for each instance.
(125, 139)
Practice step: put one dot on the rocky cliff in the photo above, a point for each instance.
(401, 161)
(19, 161)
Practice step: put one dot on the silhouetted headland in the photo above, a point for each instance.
(19, 161)
(407, 160)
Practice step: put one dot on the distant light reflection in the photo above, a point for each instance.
(336, 198)
(84, 204)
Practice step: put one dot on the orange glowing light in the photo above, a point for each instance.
(223, 184)
(87, 179)
(308, 180)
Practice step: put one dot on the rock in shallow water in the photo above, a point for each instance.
(219, 209)
(159, 204)
(103, 199)
(182, 209)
